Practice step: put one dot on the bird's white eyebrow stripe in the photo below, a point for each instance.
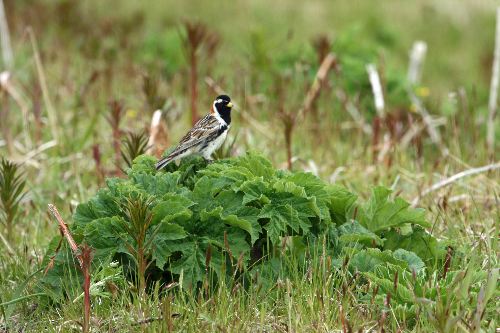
(219, 100)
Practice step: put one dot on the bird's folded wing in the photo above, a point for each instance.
(205, 129)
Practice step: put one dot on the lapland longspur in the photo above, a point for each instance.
(206, 136)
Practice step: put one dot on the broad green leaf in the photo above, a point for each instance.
(419, 242)
(257, 164)
(85, 213)
(414, 262)
(103, 205)
(161, 241)
(156, 184)
(401, 293)
(314, 187)
(216, 213)
(280, 219)
(191, 264)
(283, 185)
(367, 259)
(355, 232)
(246, 219)
(254, 191)
(226, 175)
(340, 203)
(306, 207)
(238, 245)
(172, 208)
(212, 226)
(64, 278)
(204, 191)
(227, 207)
(236, 214)
(381, 213)
(107, 236)
(143, 164)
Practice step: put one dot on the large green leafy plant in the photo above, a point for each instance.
(229, 217)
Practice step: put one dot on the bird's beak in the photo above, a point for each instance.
(229, 105)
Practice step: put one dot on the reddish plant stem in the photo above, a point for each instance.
(116, 147)
(65, 231)
(96, 154)
(193, 74)
(447, 261)
(114, 118)
(84, 257)
(288, 141)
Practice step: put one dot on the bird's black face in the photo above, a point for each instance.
(223, 105)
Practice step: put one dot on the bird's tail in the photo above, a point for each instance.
(164, 162)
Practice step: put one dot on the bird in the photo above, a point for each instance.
(206, 136)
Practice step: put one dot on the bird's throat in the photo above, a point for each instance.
(225, 114)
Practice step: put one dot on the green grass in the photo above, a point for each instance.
(260, 42)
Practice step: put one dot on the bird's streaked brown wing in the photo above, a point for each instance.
(202, 130)
(205, 130)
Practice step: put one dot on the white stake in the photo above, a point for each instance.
(417, 57)
(154, 130)
(5, 38)
(492, 103)
(376, 88)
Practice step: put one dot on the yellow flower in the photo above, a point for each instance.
(131, 113)
(423, 91)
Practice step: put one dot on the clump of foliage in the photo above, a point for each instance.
(12, 184)
(133, 145)
(230, 217)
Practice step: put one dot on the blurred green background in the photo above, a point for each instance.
(93, 52)
(459, 34)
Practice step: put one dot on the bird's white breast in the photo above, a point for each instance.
(214, 145)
